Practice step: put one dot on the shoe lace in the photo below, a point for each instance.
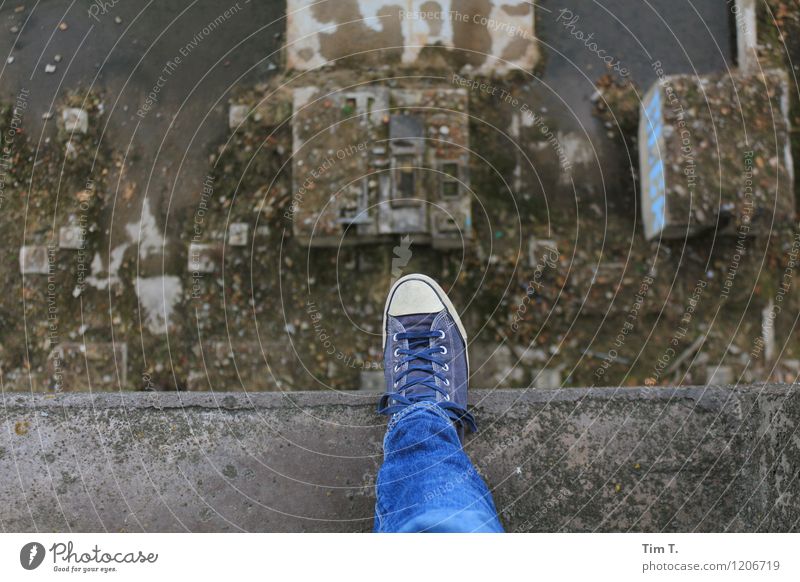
(421, 374)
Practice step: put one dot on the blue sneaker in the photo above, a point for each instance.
(424, 351)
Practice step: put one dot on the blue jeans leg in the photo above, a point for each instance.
(427, 483)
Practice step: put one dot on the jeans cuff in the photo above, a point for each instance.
(417, 406)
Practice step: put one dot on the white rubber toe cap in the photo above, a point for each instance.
(414, 296)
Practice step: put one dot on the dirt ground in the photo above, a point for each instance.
(159, 169)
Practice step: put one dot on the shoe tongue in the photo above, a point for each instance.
(418, 322)
(412, 323)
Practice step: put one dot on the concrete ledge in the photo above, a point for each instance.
(641, 459)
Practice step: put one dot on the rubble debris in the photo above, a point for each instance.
(34, 260)
(686, 354)
(203, 258)
(70, 237)
(237, 115)
(230, 364)
(617, 103)
(591, 299)
(75, 120)
(237, 234)
(104, 364)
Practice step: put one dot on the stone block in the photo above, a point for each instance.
(70, 237)
(75, 120)
(237, 234)
(34, 260)
(237, 115)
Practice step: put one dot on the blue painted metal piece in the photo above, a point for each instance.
(654, 188)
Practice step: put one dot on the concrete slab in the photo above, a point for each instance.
(612, 459)
(494, 39)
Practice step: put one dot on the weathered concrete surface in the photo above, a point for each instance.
(487, 38)
(650, 459)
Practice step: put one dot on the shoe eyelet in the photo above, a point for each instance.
(447, 397)
(443, 349)
(394, 337)
(396, 352)
(445, 367)
(441, 334)
(397, 368)
(447, 383)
